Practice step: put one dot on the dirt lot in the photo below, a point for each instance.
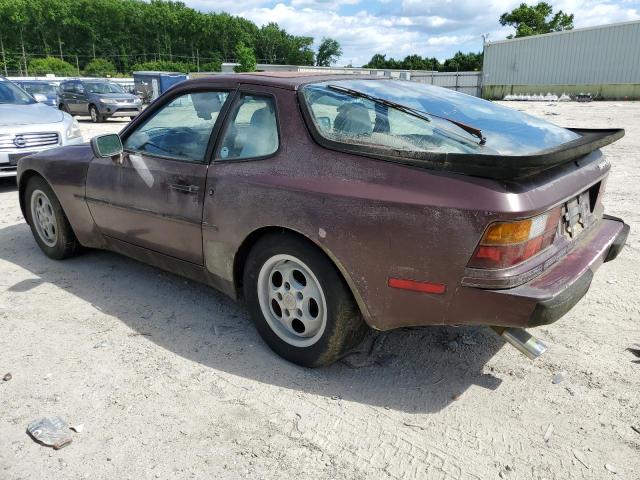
(171, 380)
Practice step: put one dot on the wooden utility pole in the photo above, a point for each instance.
(94, 50)
(77, 65)
(60, 45)
(198, 58)
(24, 56)
(4, 60)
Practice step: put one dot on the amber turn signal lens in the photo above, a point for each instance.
(507, 233)
(505, 244)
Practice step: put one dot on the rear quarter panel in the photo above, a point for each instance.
(374, 219)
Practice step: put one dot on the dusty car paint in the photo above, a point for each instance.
(374, 219)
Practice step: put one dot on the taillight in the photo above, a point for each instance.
(505, 244)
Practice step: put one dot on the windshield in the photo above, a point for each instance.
(103, 87)
(507, 131)
(48, 89)
(10, 93)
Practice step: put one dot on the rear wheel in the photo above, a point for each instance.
(47, 220)
(96, 117)
(299, 302)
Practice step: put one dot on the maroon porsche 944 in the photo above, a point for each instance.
(331, 204)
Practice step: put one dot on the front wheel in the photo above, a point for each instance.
(47, 220)
(95, 115)
(299, 302)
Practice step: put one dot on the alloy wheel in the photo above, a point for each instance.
(44, 218)
(292, 300)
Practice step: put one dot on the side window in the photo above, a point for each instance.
(179, 130)
(252, 129)
(68, 87)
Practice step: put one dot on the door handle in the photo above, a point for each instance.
(180, 187)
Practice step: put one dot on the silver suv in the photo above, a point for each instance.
(27, 127)
(100, 99)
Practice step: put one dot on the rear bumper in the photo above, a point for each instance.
(549, 296)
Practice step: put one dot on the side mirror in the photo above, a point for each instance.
(107, 146)
(40, 98)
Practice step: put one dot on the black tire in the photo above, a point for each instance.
(66, 244)
(95, 115)
(345, 327)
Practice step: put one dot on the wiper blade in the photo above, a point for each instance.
(476, 132)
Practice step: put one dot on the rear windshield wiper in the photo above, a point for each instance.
(476, 132)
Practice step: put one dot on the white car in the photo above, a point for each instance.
(27, 127)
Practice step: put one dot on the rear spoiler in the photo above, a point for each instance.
(511, 167)
(494, 166)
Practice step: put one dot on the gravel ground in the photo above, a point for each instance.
(170, 379)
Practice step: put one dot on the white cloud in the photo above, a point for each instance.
(399, 28)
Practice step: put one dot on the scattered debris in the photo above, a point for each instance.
(559, 377)
(584, 97)
(570, 391)
(139, 334)
(611, 468)
(580, 457)
(635, 351)
(51, 432)
(77, 428)
(101, 344)
(635, 429)
(413, 426)
(7, 377)
(547, 434)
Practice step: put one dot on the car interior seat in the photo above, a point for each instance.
(353, 120)
(262, 134)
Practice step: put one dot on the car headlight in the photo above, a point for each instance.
(74, 130)
(108, 101)
(137, 101)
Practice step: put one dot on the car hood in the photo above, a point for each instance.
(35, 113)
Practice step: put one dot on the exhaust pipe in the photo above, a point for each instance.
(522, 340)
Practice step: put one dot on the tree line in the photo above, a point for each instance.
(130, 32)
(107, 37)
(463, 62)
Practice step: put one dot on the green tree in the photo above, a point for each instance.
(536, 19)
(246, 59)
(100, 67)
(463, 62)
(43, 66)
(329, 52)
(131, 32)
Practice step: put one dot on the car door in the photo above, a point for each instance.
(67, 91)
(83, 99)
(153, 197)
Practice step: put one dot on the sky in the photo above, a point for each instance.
(402, 27)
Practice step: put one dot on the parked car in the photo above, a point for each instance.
(333, 203)
(41, 87)
(27, 126)
(100, 99)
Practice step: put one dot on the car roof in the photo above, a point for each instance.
(286, 80)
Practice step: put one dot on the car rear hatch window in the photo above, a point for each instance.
(433, 127)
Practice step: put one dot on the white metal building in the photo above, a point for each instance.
(602, 60)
